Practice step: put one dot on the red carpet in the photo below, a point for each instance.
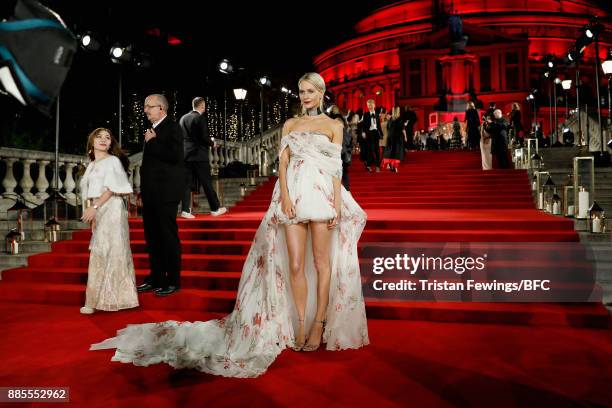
(436, 197)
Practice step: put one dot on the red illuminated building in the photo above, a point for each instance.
(400, 55)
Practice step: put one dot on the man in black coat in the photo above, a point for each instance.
(161, 185)
(497, 127)
(371, 131)
(197, 144)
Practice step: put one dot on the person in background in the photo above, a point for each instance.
(371, 132)
(111, 280)
(472, 122)
(196, 145)
(394, 151)
(162, 177)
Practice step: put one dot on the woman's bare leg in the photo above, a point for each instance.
(321, 242)
(296, 247)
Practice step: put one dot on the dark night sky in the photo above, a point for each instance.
(278, 39)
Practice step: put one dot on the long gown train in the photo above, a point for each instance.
(262, 324)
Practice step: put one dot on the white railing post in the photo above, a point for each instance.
(42, 184)
(9, 183)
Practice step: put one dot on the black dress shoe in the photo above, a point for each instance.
(145, 287)
(167, 291)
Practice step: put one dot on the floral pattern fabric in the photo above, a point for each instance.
(262, 324)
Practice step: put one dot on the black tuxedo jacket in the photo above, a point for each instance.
(196, 142)
(162, 170)
(367, 121)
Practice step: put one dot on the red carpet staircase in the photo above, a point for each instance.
(436, 197)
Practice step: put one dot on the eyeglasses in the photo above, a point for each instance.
(152, 106)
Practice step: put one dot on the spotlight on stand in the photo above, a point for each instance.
(225, 67)
(88, 42)
(120, 54)
(593, 29)
(264, 81)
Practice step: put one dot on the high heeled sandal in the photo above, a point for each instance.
(296, 346)
(312, 347)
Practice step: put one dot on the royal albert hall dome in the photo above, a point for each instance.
(407, 54)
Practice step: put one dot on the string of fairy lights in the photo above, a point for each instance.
(242, 117)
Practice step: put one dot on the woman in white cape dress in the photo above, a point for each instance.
(264, 319)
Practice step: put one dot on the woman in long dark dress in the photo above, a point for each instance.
(394, 150)
(456, 139)
(472, 121)
(516, 124)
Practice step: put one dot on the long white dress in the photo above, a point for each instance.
(262, 324)
(111, 280)
(485, 153)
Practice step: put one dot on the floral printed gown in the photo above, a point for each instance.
(262, 324)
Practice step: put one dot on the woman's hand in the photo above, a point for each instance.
(333, 223)
(89, 215)
(287, 207)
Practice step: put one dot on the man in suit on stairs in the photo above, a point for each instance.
(161, 185)
(371, 131)
(197, 144)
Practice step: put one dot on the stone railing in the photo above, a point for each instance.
(590, 130)
(31, 173)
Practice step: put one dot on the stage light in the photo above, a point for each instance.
(225, 66)
(285, 90)
(120, 54)
(551, 64)
(573, 55)
(88, 42)
(265, 81)
(566, 84)
(546, 74)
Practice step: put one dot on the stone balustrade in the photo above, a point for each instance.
(31, 173)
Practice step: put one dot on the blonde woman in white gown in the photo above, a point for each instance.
(110, 278)
(300, 283)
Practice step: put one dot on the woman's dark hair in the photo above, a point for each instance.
(113, 150)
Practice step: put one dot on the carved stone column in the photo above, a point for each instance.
(42, 184)
(26, 182)
(9, 183)
(69, 183)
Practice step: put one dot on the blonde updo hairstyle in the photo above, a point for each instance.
(319, 84)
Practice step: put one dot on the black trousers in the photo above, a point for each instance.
(373, 153)
(201, 170)
(345, 175)
(501, 154)
(163, 242)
